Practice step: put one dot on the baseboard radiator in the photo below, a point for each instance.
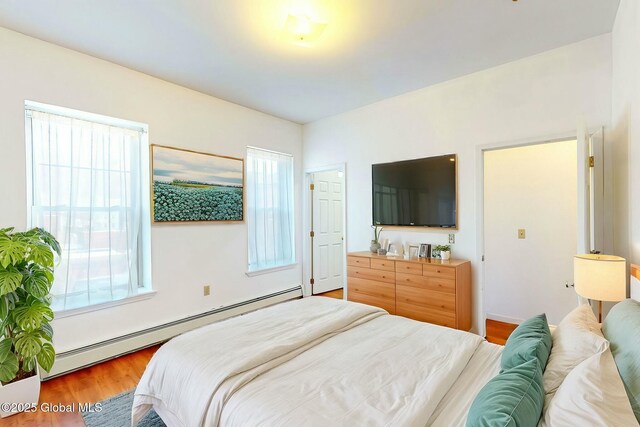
(95, 353)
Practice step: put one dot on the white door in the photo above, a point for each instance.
(328, 231)
(535, 189)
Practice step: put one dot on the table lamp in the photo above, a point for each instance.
(600, 277)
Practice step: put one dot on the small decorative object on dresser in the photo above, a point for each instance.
(413, 251)
(425, 251)
(442, 252)
(375, 243)
(392, 250)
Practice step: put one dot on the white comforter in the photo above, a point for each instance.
(314, 361)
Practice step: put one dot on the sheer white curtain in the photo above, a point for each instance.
(270, 211)
(86, 190)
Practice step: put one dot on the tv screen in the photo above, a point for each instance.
(420, 192)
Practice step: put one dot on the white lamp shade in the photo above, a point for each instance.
(600, 277)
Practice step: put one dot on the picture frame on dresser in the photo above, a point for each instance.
(414, 251)
(425, 250)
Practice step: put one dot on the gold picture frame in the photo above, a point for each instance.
(190, 186)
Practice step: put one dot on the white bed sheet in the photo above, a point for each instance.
(192, 376)
(325, 363)
(390, 371)
(454, 407)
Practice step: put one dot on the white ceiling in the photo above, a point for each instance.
(371, 49)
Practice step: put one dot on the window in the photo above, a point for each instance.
(270, 212)
(88, 186)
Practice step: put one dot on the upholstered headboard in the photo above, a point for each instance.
(635, 282)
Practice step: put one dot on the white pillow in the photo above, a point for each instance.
(591, 395)
(576, 338)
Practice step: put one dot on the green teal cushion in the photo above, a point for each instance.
(514, 398)
(622, 328)
(530, 340)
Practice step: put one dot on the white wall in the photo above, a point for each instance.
(536, 97)
(534, 188)
(184, 257)
(626, 128)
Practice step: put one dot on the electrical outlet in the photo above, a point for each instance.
(452, 238)
(207, 290)
(521, 233)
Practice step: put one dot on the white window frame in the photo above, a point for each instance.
(293, 262)
(145, 288)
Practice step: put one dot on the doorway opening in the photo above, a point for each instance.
(530, 230)
(326, 238)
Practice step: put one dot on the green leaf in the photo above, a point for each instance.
(28, 344)
(37, 283)
(41, 254)
(11, 251)
(8, 367)
(47, 329)
(5, 231)
(46, 357)
(29, 364)
(10, 279)
(48, 238)
(4, 307)
(5, 347)
(31, 315)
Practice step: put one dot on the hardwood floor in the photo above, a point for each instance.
(498, 332)
(338, 294)
(88, 385)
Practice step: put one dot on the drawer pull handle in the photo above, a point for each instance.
(384, 277)
(437, 271)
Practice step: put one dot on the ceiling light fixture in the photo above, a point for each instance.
(303, 30)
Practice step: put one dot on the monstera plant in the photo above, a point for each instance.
(26, 276)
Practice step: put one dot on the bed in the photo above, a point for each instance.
(318, 362)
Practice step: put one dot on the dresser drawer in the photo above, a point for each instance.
(358, 261)
(429, 283)
(409, 268)
(435, 300)
(371, 287)
(423, 314)
(367, 273)
(384, 303)
(439, 271)
(383, 264)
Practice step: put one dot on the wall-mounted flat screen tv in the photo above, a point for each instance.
(419, 192)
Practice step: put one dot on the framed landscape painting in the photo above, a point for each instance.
(189, 186)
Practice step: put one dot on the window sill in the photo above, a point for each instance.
(144, 295)
(271, 270)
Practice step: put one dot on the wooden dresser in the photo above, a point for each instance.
(429, 290)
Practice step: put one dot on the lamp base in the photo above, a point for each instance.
(599, 311)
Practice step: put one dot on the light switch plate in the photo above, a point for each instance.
(207, 290)
(522, 233)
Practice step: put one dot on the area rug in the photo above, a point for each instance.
(116, 412)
